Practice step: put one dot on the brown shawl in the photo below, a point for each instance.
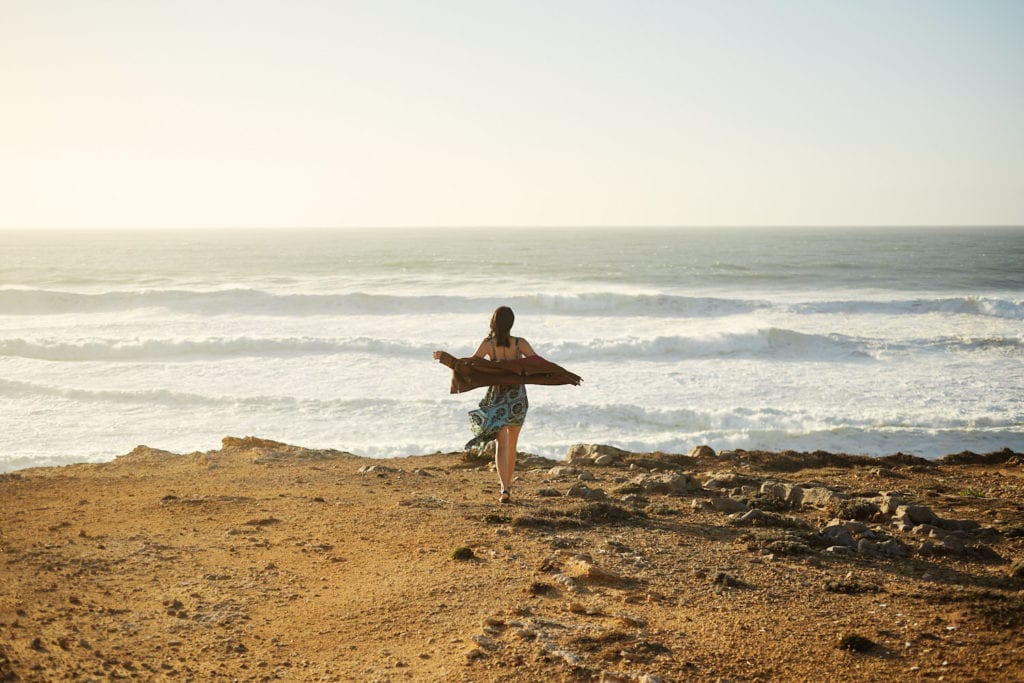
(474, 372)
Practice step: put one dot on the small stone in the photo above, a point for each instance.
(672, 483)
(787, 493)
(838, 550)
(703, 451)
(728, 505)
(730, 480)
(579, 568)
(570, 658)
(839, 535)
(915, 514)
(727, 580)
(581, 453)
(379, 470)
(890, 548)
(483, 641)
(820, 497)
(581, 490)
(889, 503)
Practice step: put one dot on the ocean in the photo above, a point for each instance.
(864, 341)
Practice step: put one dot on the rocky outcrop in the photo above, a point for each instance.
(594, 454)
(731, 480)
(669, 484)
(263, 451)
(702, 451)
(797, 496)
(724, 505)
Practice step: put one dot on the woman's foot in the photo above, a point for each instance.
(506, 496)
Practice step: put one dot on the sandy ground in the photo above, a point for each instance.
(262, 561)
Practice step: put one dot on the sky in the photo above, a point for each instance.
(258, 113)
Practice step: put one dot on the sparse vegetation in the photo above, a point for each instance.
(856, 643)
(849, 587)
(463, 553)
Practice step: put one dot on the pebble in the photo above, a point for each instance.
(570, 658)
(581, 490)
(483, 641)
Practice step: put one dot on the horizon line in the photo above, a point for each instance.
(510, 226)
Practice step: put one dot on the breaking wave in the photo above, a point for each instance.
(260, 302)
(774, 344)
(967, 305)
(771, 343)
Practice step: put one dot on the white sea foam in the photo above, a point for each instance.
(967, 305)
(259, 302)
(22, 301)
(768, 344)
(192, 349)
(740, 340)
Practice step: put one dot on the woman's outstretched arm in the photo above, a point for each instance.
(483, 349)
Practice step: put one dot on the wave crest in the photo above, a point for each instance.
(258, 302)
(774, 344)
(966, 305)
(770, 343)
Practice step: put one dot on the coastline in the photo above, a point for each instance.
(263, 561)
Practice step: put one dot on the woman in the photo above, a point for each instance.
(504, 405)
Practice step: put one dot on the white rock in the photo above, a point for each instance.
(582, 453)
(819, 497)
(728, 505)
(915, 514)
(669, 484)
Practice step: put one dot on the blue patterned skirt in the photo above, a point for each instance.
(501, 406)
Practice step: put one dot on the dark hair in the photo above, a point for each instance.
(501, 325)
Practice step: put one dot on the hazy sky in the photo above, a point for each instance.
(179, 113)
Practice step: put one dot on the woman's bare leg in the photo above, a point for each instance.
(505, 454)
